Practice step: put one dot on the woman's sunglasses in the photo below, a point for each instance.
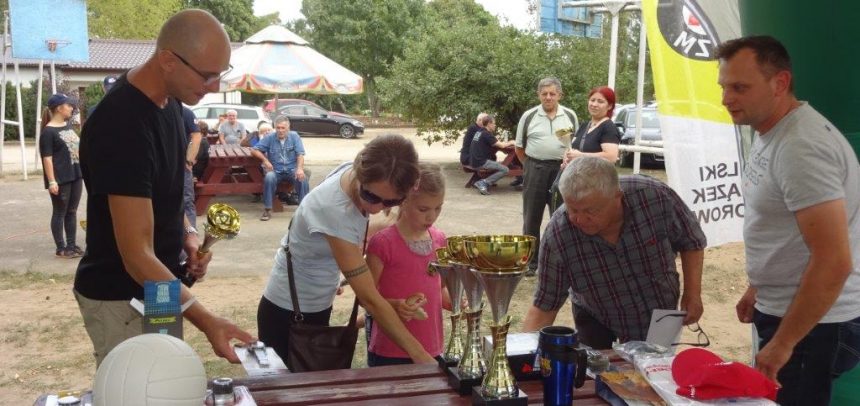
(372, 198)
(701, 337)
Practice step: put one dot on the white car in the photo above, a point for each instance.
(250, 116)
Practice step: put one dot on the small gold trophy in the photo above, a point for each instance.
(454, 349)
(222, 223)
(499, 263)
(472, 365)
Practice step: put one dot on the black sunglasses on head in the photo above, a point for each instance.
(372, 198)
(701, 337)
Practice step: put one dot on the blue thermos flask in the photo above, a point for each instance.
(562, 364)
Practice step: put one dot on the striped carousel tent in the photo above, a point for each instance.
(275, 60)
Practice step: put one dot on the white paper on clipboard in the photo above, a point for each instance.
(665, 328)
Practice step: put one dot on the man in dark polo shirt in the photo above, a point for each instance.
(133, 161)
(613, 247)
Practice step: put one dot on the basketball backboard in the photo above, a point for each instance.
(49, 30)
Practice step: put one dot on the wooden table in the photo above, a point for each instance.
(511, 161)
(232, 170)
(408, 385)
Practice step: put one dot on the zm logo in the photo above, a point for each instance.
(686, 29)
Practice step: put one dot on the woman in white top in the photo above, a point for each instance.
(326, 240)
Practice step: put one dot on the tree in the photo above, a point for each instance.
(128, 19)
(363, 35)
(485, 68)
(236, 15)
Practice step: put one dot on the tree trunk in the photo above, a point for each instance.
(372, 98)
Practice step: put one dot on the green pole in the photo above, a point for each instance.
(823, 39)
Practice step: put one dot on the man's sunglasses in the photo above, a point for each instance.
(701, 337)
(372, 198)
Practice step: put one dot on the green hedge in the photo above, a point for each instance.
(28, 101)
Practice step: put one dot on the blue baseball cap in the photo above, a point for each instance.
(59, 99)
(108, 82)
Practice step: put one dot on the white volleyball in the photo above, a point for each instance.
(151, 370)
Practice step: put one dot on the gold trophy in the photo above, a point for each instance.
(222, 223)
(499, 262)
(454, 349)
(472, 365)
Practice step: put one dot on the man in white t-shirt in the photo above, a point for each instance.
(801, 187)
(231, 131)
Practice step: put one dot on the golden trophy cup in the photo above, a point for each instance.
(454, 348)
(470, 370)
(499, 263)
(222, 223)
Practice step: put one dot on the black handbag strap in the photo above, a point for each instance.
(298, 317)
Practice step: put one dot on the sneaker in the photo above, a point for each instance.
(482, 187)
(531, 272)
(65, 254)
(266, 215)
(77, 251)
(517, 184)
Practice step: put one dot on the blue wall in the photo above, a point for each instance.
(554, 19)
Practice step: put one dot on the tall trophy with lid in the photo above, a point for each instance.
(499, 263)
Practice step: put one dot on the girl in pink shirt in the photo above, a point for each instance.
(398, 256)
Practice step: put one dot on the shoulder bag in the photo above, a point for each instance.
(318, 348)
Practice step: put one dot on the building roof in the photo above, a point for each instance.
(108, 54)
(115, 54)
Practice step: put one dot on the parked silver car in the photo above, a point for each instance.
(626, 122)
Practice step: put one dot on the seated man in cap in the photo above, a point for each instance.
(613, 246)
(283, 156)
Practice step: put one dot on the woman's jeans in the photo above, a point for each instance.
(829, 350)
(65, 214)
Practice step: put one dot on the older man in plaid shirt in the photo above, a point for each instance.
(613, 247)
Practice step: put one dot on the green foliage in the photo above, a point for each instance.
(363, 35)
(129, 19)
(236, 15)
(449, 12)
(492, 69)
(461, 64)
(92, 95)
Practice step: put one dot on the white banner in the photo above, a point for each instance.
(701, 147)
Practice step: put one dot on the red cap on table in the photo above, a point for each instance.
(701, 374)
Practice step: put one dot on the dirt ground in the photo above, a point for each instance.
(43, 345)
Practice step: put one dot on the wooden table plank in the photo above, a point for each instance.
(411, 371)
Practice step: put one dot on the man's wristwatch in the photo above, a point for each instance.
(190, 230)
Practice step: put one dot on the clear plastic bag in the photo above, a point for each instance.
(633, 350)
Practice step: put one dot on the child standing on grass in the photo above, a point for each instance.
(398, 256)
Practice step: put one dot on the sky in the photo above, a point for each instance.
(513, 12)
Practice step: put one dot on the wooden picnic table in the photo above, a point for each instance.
(408, 385)
(510, 160)
(232, 170)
